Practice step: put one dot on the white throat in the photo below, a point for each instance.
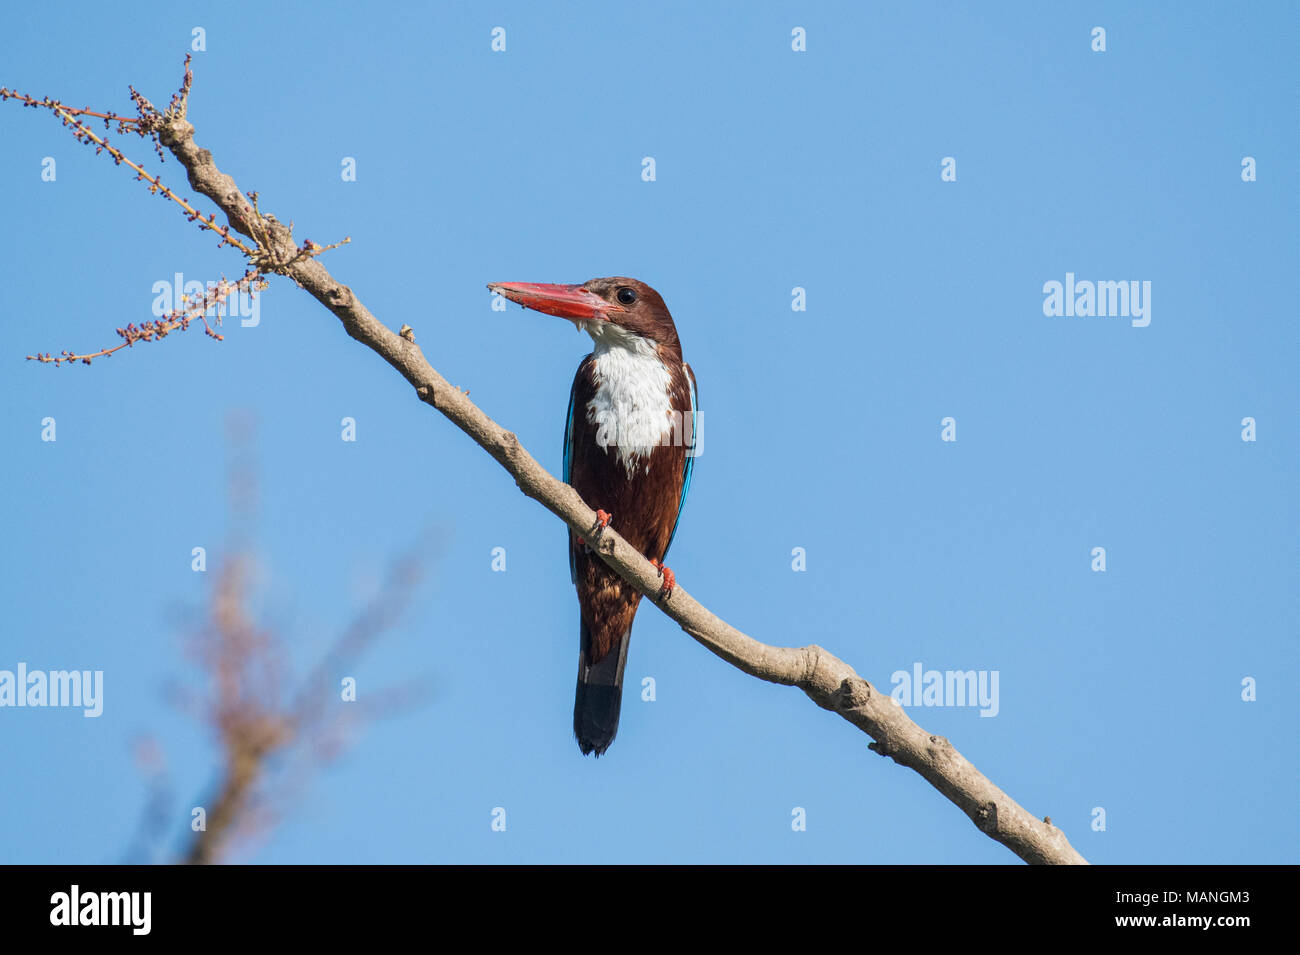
(631, 409)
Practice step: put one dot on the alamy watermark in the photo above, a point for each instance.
(685, 429)
(128, 909)
(922, 687)
(173, 296)
(1103, 299)
(64, 688)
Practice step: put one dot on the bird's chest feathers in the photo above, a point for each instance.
(631, 409)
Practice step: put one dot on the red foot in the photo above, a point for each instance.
(602, 521)
(670, 579)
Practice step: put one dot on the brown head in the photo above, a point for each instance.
(609, 309)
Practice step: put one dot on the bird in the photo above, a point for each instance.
(630, 443)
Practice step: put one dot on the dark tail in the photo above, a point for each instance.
(600, 694)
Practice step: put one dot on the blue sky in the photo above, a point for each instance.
(775, 169)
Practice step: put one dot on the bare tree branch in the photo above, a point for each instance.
(829, 682)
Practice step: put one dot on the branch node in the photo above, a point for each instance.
(812, 655)
(986, 818)
(852, 693)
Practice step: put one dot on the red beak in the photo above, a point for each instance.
(567, 301)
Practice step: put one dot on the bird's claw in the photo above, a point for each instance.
(670, 579)
(602, 521)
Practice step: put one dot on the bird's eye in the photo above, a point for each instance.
(627, 295)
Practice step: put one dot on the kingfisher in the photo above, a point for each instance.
(630, 444)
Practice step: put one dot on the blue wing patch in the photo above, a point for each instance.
(690, 452)
(568, 468)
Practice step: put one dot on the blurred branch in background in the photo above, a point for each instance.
(272, 730)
